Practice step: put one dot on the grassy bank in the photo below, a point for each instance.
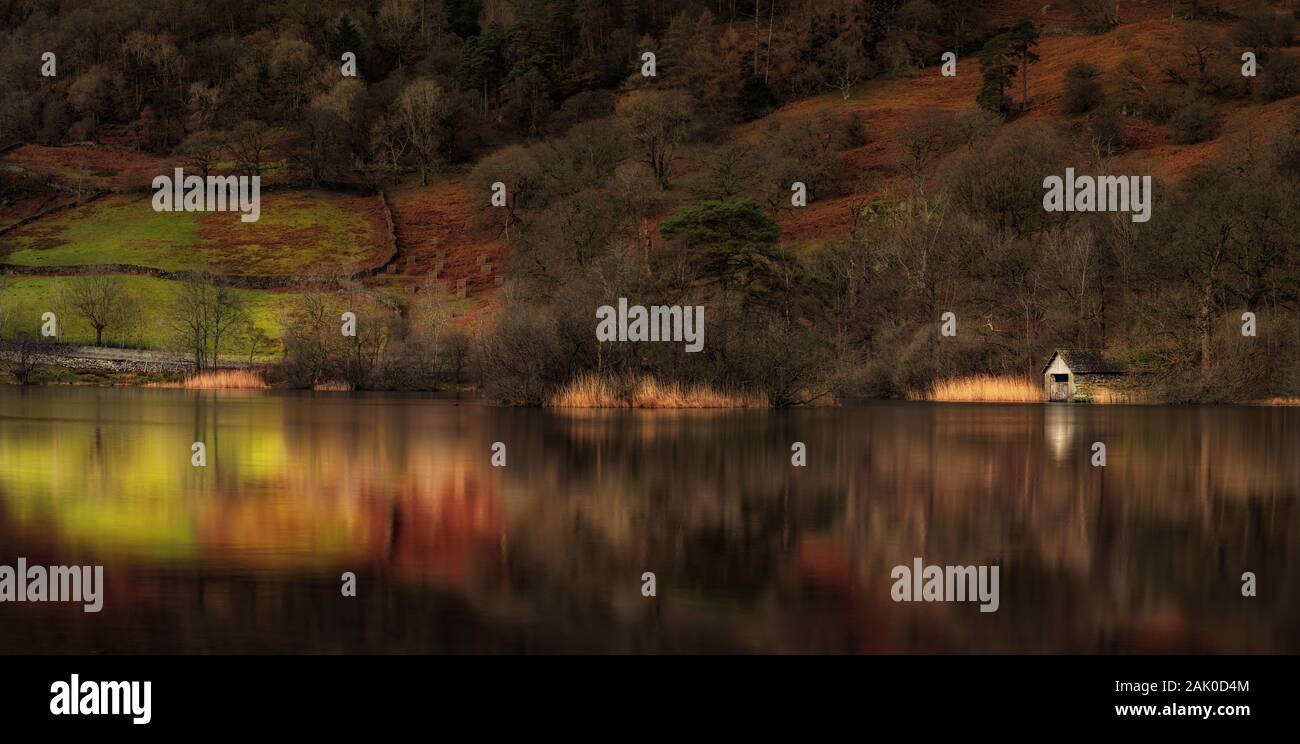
(48, 374)
(151, 325)
(298, 232)
(593, 391)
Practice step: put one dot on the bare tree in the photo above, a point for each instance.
(101, 300)
(365, 353)
(228, 310)
(292, 63)
(24, 348)
(845, 61)
(204, 314)
(420, 110)
(659, 123)
(309, 338)
(388, 145)
(399, 24)
(1102, 14)
(190, 319)
(249, 144)
(202, 150)
(728, 171)
(6, 307)
(921, 141)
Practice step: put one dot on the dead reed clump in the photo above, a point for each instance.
(649, 392)
(333, 386)
(982, 389)
(595, 391)
(219, 379)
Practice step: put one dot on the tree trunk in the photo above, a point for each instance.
(771, 19)
(1101, 303)
(1203, 321)
(1024, 79)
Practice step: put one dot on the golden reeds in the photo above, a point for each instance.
(218, 379)
(595, 391)
(983, 389)
(225, 379)
(334, 386)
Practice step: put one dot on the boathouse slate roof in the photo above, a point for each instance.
(1085, 362)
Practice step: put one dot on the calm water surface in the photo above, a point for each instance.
(546, 554)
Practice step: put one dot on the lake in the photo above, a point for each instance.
(546, 554)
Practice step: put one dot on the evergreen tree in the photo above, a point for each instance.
(633, 18)
(482, 65)
(1020, 47)
(533, 44)
(462, 16)
(345, 38)
(733, 241)
(756, 99)
(995, 72)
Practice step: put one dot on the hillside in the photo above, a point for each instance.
(378, 189)
(886, 106)
(438, 235)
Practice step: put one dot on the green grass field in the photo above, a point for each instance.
(25, 299)
(304, 233)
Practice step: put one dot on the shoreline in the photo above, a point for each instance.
(130, 368)
(469, 395)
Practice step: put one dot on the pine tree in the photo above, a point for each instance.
(533, 45)
(462, 16)
(482, 66)
(633, 18)
(996, 73)
(1021, 43)
(345, 38)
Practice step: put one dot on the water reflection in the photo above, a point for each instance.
(1058, 423)
(751, 554)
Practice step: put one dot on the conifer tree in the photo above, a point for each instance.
(1020, 47)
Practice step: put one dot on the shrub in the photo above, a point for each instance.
(583, 106)
(1107, 130)
(1195, 122)
(1082, 88)
(756, 99)
(1281, 78)
(522, 359)
(971, 126)
(1019, 156)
